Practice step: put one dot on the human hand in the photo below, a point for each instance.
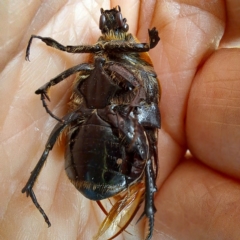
(197, 195)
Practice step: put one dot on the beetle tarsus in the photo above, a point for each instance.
(28, 49)
(153, 36)
(44, 89)
(150, 228)
(29, 46)
(43, 96)
(149, 209)
(34, 199)
(28, 189)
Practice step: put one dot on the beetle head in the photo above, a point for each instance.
(112, 20)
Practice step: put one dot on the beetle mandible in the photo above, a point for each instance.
(111, 125)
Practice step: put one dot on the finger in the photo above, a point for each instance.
(198, 203)
(189, 34)
(231, 37)
(213, 116)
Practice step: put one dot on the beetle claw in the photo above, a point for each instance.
(27, 58)
(44, 95)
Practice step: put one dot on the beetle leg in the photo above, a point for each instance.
(44, 89)
(131, 78)
(150, 189)
(126, 47)
(153, 37)
(28, 189)
(123, 72)
(134, 47)
(43, 96)
(71, 49)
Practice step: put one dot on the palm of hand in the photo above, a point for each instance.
(197, 197)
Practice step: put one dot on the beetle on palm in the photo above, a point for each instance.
(111, 125)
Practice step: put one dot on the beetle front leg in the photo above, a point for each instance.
(28, 189)
(44, 89)
(153, 37)
(71, 49)
(133, 46)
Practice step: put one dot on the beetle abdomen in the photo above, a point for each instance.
(96, 160)
(92, 162)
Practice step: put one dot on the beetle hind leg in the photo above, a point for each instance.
(28, 189)
(30, 193)
(149, 208)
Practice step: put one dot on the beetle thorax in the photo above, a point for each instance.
(113, 35)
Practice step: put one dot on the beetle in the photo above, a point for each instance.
(111, 126)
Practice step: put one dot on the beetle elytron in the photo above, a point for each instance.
(111, 125)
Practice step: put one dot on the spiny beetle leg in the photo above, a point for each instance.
(149, 208)
(28, 189)
(43, 97)
(44, 89)
(71, 49)
(34, 199)
(60, 77)
(28, 48)
(49, 41)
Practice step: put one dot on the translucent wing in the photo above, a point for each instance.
(122, 212)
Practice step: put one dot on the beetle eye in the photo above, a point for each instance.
(119, 19)
(102, 22)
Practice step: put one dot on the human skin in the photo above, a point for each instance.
(197, 63)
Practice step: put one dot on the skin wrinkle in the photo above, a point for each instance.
(143, 18)
(205, 11)
(50, 203)
(202, 9)
(138, 16)
(86, 9)
(55, 199)
(217, 203)
(153, 14)
(5, 140)
(56, 187)
(214, 213)
(35, 16)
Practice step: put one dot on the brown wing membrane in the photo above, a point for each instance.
(122, 212)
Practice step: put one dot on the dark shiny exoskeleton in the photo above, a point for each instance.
(111, 125)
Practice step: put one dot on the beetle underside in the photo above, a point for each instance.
(111, 125)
